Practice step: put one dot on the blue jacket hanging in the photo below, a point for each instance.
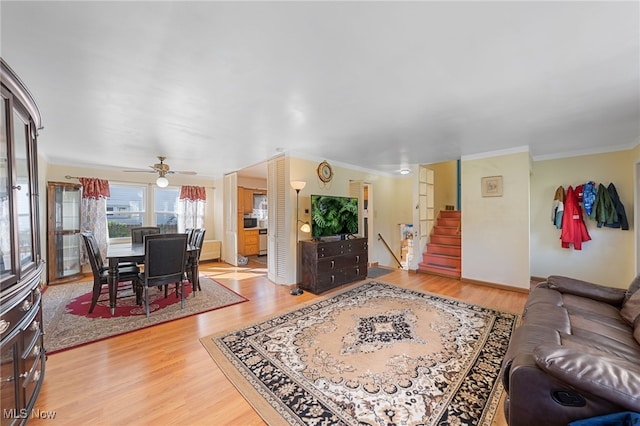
(588, 196)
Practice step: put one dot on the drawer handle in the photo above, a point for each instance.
(357, 258)
(333, 278)
(26, 305)
(36, 350)
(357, 271)
(333, 264)
(4, 325)
(34, 326)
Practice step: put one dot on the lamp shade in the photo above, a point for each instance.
(162, 182)
(298, 184)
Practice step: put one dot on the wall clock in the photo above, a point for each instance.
(325, 172)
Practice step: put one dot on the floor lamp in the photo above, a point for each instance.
(298, 185)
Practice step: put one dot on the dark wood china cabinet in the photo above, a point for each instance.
(22, 357)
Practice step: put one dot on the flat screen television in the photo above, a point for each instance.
(333, 215)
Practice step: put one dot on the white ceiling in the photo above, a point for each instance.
(218, 86)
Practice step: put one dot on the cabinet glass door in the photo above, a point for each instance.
(23, 193)
(6, 226)
(64, 227)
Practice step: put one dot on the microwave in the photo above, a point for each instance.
(250, 222)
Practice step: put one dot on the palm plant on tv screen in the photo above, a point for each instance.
(332, 215)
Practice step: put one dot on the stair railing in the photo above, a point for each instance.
(390, 251)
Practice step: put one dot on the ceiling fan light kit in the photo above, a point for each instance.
(163, 170)
(162, 182)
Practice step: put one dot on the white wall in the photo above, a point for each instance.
(495, 230)
(609, 258)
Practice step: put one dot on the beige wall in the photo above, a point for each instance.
(609, 258)
(495, 230)
(445, 184)
(391, 197)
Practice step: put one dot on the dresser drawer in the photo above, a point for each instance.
(330, 280)
(335, 248)
(32, 380)
(29, 305)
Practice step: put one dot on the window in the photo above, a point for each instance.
(125, 209)
(166, 209)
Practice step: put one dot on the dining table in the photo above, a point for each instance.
(130, 252)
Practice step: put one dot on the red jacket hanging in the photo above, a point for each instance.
(573, 228)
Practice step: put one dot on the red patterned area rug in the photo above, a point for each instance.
(68, 324)
(375, 354)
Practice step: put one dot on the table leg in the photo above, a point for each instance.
(112, 281)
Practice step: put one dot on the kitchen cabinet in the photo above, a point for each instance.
(63, 231)
(251, 242)
(247, 201)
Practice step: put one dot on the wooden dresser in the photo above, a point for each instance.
(330, 264)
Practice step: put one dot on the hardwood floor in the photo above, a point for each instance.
(163, 375)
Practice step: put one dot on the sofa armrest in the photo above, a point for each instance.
(611, 295)
(606, 376)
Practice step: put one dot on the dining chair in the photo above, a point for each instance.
(138, 234)
(126, 272)
(197, 241)
(189, 232)
(164, 264)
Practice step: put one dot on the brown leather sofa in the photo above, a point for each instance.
(576, 354)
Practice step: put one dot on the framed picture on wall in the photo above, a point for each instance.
(491, 186)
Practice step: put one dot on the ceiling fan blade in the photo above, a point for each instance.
(139, 171)
(184, 172)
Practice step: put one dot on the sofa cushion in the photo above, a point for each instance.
(549, 316)
(609, 377)
(588, 340)
(633, 288)
(631, 308)
(611, 295)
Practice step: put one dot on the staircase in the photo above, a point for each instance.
(444, 253)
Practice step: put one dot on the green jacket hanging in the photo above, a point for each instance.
(604, 210)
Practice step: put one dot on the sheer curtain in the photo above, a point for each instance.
(191, 206)
(93, 211)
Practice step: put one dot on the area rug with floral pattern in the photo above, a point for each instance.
(375, 354)
(68, 323)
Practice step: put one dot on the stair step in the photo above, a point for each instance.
(444, 249)
(442, 260)
(439, 270)
(445, 230)
(448, 221)
(451, 240)
(450, 214)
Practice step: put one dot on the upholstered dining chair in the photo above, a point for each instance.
(164, 264)
(126, 272)
(197, 241)
(138, 234)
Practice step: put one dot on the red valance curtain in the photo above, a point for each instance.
(94, 188)
(93, 210)
(193, 193)
(191, 206)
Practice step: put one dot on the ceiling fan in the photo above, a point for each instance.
(162, 169)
